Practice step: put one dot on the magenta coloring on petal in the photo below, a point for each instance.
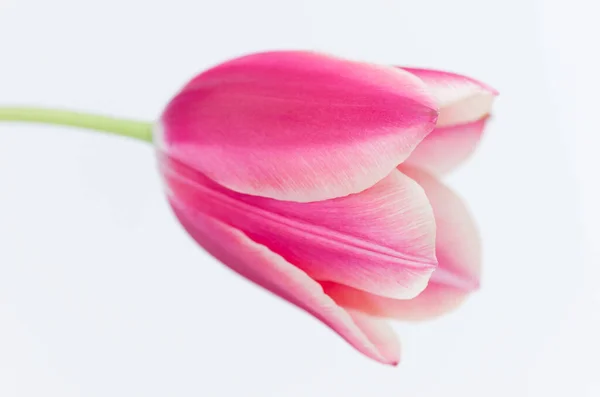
(297, 126)
(257, 263)
(381, 240)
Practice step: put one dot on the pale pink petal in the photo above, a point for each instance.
(446, 147)
(458, 244)
(458, 250)
(297, 126)
(380, 333)
(381, 240)
(257, 263)
(460, 99)
(435, 301)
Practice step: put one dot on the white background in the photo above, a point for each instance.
(103, 294)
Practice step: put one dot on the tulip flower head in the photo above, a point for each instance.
(317, 178)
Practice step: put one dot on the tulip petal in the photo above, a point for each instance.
(464, 105)
(257, 263)
(437, 300)
(380, 332)
(458, 250)
(458, 243)
(447, 147)
(297, 126)
(461, 99)
(381, 240)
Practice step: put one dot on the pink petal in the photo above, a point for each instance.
(435, 301)
(257, 263)
(447, 147)
(380, 333)
(458, 250)
(381, 240)
(461, 99)
(297, 126)
(458, 244)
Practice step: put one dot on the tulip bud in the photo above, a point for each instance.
(294, 169)
(313, 176)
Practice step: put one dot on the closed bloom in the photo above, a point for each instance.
(313, 177)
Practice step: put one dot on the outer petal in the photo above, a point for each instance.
(297, 126)
(461, 99)
(446, 147)
(459, 254)
(381, 240)
(259, 264)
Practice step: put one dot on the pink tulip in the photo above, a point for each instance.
(311, 176)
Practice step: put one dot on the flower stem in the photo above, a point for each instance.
(130, 128)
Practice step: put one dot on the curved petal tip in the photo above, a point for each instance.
(461, 99)
(458, 249)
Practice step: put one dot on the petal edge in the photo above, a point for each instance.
(461, 99)
(445, 148)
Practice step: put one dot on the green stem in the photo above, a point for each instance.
(130, 128)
